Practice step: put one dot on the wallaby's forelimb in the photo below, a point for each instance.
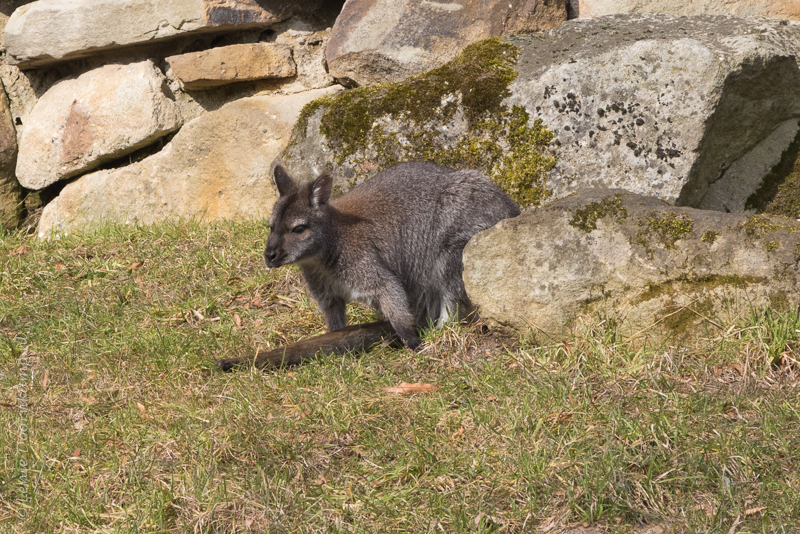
(359, 337)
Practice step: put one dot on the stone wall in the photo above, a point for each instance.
(114, 92)
(98, 90)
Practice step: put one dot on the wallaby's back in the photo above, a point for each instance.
(396, 241)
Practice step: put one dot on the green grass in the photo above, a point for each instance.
(131, 429)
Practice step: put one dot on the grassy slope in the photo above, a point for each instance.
(132, 430)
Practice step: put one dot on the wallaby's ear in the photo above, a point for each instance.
(321, 190)
(283, 181)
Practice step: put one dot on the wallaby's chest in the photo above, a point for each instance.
(327, 283)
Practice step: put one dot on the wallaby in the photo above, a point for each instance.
(394, 242)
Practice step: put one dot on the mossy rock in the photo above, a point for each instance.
(453, 115)
(586, 218)
(549, 114)
(665, 276)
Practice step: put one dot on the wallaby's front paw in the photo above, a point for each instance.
(227, 364)
(412, 343)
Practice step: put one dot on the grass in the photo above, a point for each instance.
(128, 427)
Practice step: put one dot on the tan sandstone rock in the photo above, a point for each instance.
(7, 7)
(101, 115)
(216, 167)
(783, 9)
(21, 94)
(233, 63)
(308, 52)
(384, 40)
(48, 31)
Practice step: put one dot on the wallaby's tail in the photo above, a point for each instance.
(359, 337)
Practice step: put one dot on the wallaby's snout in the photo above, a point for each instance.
(273, 254)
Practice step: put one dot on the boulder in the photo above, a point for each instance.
(233, 63)
(101, 115)
(216, 167)
(782, 9)
(452, 115)
(49, 31)
(10, 190)
(663, 105)
(384, 40)
(693, 110)
(657, 273)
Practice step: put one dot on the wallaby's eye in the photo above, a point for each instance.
(299, 229)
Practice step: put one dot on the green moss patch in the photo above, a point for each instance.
(681, 319)
(709, 237)
(667, 229)
(586, 218)
(480, 76)
(779, 302)
(757, 226)
(414, 120)
(696, 285)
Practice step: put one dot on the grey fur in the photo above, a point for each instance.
(394, 242)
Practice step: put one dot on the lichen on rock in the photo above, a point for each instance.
(667, 228)
(709, 237)
(686, 284)
(586, 218)
(694, 274)
(758, 226)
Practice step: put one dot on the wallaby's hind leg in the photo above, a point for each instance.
(455, 302)
(460, 308)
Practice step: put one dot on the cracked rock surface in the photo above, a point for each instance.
(660, 105)
(49, 31)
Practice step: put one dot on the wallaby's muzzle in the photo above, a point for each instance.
(274, 255)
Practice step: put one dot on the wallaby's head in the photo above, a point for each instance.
(300, 222)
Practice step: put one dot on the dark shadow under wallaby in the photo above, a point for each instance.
(394, 243)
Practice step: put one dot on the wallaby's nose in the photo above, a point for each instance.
(270, 255)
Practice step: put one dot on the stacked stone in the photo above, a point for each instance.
(177, 108)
